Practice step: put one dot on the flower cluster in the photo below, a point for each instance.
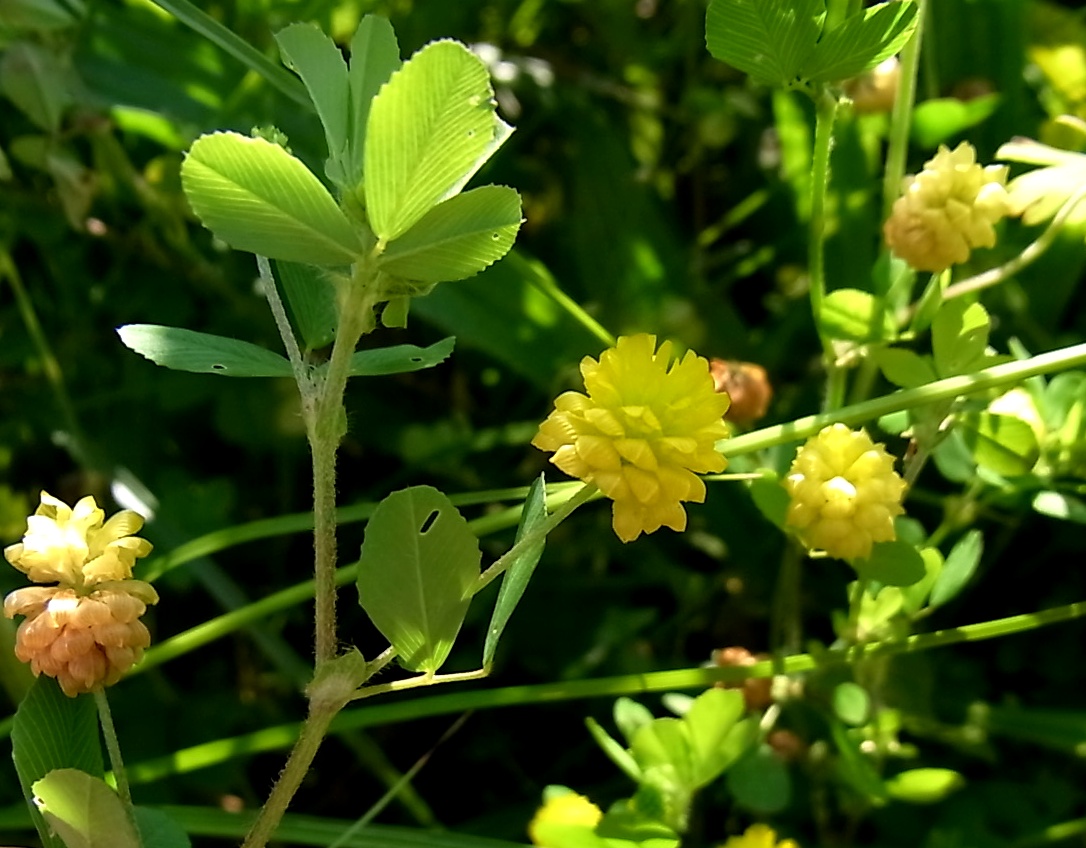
(947, 210)
(759, 836)
(643, 432)
(85, 630)
(562, 811)
(845, 493)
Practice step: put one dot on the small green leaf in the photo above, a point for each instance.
(158, 830)
(892, 564)
(521, 568)
(851, 703)
(427, 127)
(395, 311)
(257, 197)
(924, 785)
(717, 737)
(418, 566)
(914, 597)
(52, 731)
(375, 56)
(311, 300)
(84, 811)
(400, 359)
(960, 564)
(314, 57)
(938, 120)
(855, 768)
(959, 335)
(760, 782)
(1061, 506)
(631, 716)
(855, 315)
(1004, 444)
(202, 353)
(614, 750)
(34, 80)
(457, 238)
(768, 39)
(664, 747)
(771, 498)
(861, 42)
(904, 367)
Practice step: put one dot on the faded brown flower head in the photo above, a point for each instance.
(947, 210)
(85, 630)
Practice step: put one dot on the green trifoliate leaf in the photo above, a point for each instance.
(428, 127)
(457, 238)
(314, 57)
(202, 353)
(1004, 444)
(257, 197)
(861, 42)
(768, 39)
(419, 563)
(84, 811)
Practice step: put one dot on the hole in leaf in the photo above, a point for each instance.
(428, 523)
(416, 359)
(218, 366)
(495, 236)
(471, 133)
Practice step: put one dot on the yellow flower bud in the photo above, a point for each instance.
(85, 631)
(84, 641)
(646, 427)
(947, 210)
(759, 836)
(845, 493)
(568, 809)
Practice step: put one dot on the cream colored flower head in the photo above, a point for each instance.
(643, 431)
(947, 210)
(85, 631)
(759, 836)
(845, 493)
(78, 547)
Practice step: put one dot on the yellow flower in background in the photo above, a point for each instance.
(759, 836)
(643, 431)
(947, 210)
(566, 810)
(85, 631)
(845, 493)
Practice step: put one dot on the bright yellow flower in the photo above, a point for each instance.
(643, 432)
(567, 810)
(947, 210)
(845, 493)
(759, 836)
(85, 631)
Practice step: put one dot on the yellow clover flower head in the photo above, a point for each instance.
(845, 493)
(567, 809)
(947, 210)
(85, 631)
(643, 431)
(759, 836)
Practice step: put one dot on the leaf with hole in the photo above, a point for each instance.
(255, 196)
(428, 127)
(419, 564)
(202, 353)
(400, 359)
(521, 568)
(457, 238)
(84, 811)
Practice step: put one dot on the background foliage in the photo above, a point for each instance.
(664, 192)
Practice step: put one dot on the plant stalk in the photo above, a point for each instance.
(113, 747)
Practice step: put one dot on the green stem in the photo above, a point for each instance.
(113, 746)
(941, 390)
(301, 757)
(901, 118)
(825, 113)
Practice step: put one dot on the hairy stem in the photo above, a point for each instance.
(113, 746)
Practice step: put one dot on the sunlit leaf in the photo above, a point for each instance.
(202, 353)
(84, 811)
(768, 39)
(904, 367)
(1004, 444)
(419, 563)
(855, 315)
(924, 785)
(959, 335)
(851, 703)
(457, 238)
(427, 126)
(960, 564)
(520, 570)
(375, 56)
(1061, 506)
(861, 42)
(255, 196)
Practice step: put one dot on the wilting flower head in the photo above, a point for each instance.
(646, 427)
(85, 631)
(947, 210)
(845, 493)
(759, 836)
(565, 810)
